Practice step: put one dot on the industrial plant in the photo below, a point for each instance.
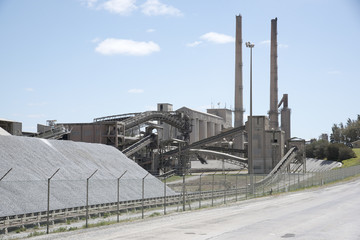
(167, 139)
(164, 142)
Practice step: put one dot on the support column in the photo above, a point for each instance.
(210, 129)
(217, 129)
(202, 129)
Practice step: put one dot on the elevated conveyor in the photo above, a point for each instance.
(176, 119)
(138, 145)
(54, 133)
(230, 158)
(281, 166)
(208, 140)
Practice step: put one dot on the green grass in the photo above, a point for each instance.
(34, 234)
(352, 161)
(99, 224)
(19, 230)
(72, 228)
(60, 229)
(155, 214)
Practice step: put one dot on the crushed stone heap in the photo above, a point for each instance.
(33, 161)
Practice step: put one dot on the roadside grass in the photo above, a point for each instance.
(352, 161)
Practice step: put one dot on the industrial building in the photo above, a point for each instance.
(165, 139)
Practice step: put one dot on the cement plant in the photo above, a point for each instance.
(114, 165)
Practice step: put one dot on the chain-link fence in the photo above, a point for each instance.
(29, 203)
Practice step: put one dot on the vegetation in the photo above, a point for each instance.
(60, 229)
(102, 223)
(155, 214)
(34, 234)
(322, 149)
(22, 229)
(353, 161)
(346, 133)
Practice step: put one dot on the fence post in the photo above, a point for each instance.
(48, 202)
(212, 190)
(254, 187)
(225, 188)
(246, 187)
(183, 192)
(200, 191)
(143, 195)
(164, 195)
(5, 229)
(118, 195)
(236, 185)
(87, 198)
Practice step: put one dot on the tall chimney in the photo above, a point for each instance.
(239, 140)
(273, 113)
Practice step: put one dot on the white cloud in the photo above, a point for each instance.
(112, 46)
(156, 8)
(217, 38)
(29, 89)
(150, 30)
(122, 7)
(135, 90)
(194, 44)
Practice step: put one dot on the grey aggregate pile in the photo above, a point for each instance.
(317, 165)
(33, 161)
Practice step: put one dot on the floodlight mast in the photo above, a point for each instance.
(250, 137)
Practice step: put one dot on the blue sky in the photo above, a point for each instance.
(75, 60)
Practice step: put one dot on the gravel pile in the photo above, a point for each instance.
(33, 161)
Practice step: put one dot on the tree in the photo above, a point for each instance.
(332, 152)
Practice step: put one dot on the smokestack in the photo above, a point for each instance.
(285, 117)
(238, 143)
(273, 113)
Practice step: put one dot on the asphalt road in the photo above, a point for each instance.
(324, 213)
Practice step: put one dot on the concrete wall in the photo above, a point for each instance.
(168, 131)
(268, 145)
(104, 133)
(14, 128)
(224, 113)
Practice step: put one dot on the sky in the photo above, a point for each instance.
(76, 60)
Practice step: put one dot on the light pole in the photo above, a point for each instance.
(250, 153)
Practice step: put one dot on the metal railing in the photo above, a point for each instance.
(202, 190)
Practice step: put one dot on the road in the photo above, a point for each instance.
(323, 213)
